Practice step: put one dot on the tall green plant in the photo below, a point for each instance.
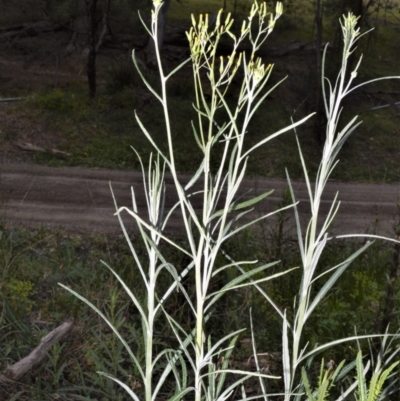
(314, 240)
(223, 214)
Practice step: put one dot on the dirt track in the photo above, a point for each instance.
(79, 199)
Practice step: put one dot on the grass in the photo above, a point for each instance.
(100, 133)
(44, 257)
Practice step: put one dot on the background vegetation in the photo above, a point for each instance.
(99, 132)
(32, 304)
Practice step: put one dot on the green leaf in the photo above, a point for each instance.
(180, 396)
(112, 327)
(339, 269)
(242, 205)
(362, 391)
(306, 384)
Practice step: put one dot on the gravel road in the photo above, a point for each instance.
(79, 199)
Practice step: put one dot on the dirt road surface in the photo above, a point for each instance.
(79, 199)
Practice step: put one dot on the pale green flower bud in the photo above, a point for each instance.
(278, 9)
(244, 29)
(218, 22)
(253, 10)
(262, 12)
(228, 20)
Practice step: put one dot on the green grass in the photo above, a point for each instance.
(43, 257)
(100, 133)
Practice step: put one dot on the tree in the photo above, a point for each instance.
(91, 6)
(95, 39)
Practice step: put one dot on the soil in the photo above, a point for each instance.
(80, 199)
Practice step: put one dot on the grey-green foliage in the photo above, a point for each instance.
(197, 362)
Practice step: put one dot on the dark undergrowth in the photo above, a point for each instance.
(34, 261)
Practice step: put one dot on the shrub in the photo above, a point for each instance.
(196, 365)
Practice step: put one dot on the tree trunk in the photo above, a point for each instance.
(79, 28)
(91, 63)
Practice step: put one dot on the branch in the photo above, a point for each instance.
(12, 99)
(385, 106)
(30, 30)
(102, 34)
(14, 372)
(33, 148)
